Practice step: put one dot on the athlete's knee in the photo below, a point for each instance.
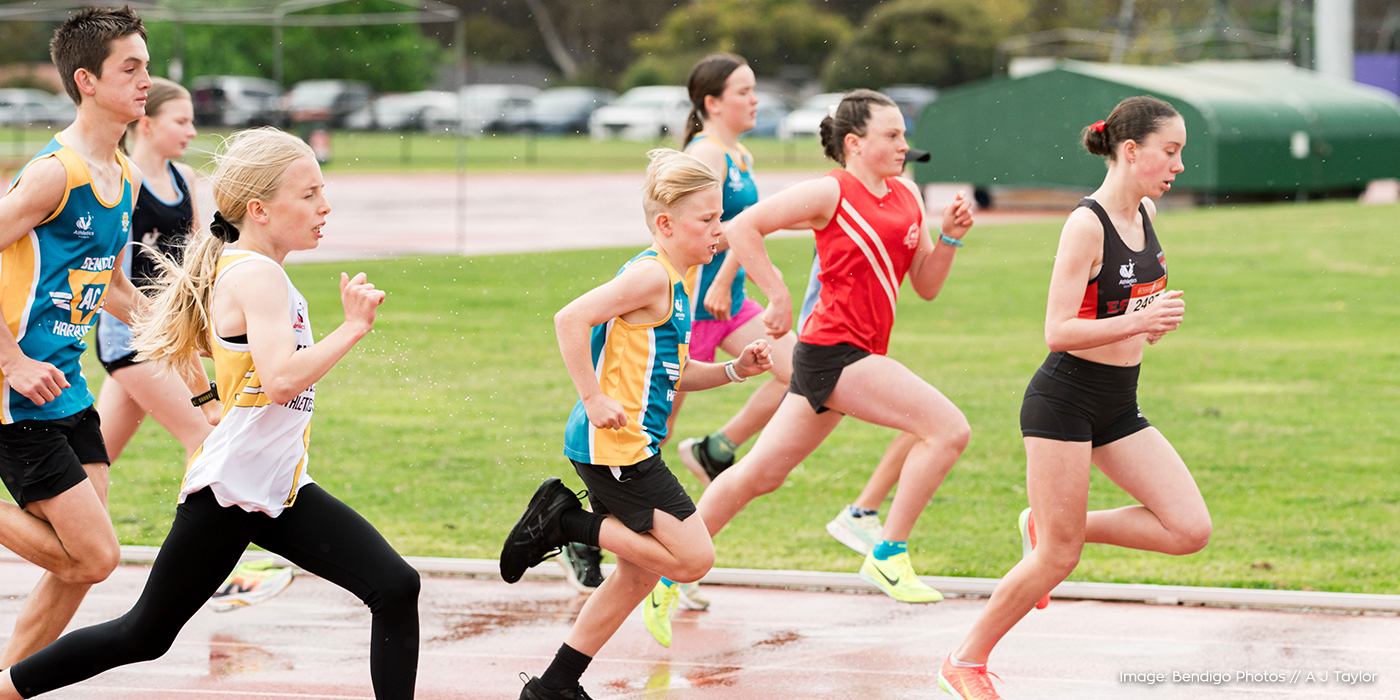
(1192, 536)
(1059, 558)
(93, 567)
(398, 586)
(694, 566)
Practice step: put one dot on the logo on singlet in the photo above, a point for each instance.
(84, 229)
(911, 239)
(1127, 272)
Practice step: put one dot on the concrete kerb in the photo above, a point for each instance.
(948, 585)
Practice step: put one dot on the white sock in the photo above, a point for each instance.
(962, 664)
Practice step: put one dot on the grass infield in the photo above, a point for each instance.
(1280, 391)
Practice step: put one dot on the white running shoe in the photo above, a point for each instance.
(860, 534)
(692, 598)
(251, 583)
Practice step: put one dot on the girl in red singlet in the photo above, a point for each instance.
(1108, 296)
(870, 234)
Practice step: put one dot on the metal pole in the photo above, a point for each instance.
(1334, 23)
(277, 56)
(459, 44)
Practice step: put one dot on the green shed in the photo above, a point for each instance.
(1252, 126)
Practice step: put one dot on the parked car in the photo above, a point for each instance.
(558, 111)
(643, 114)
(326, 100)
(807, 119)
(26, 106)
(771, 111)
(484, 106)
(404, 111)
(236, 100)
(911, 100)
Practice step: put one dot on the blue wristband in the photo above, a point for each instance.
(956, 243)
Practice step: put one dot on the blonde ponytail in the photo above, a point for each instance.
(252, 165)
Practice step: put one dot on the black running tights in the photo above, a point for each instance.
(319, 533)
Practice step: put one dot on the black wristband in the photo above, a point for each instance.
(206, 397)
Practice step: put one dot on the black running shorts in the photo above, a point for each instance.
(1074, 400)
(40, 459)
(815, 369)
(632, 492)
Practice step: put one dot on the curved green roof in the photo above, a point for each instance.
(1252, 126)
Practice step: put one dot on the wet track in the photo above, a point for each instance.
(312, 642)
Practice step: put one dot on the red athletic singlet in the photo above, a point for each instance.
(864, 253)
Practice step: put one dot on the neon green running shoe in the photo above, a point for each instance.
(656, 611)
(895, 576)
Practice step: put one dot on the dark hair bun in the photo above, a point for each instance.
(1134, 119)
(830, 146)
(1095, 141)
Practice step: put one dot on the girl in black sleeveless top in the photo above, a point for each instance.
(1108, 298)
(163, 219)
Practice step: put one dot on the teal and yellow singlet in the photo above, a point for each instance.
(739, 193)
(638, 366)
(54, 279)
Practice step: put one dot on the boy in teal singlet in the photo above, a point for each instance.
(63, 223)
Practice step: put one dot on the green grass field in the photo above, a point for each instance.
(1280, 391)
(376, 152)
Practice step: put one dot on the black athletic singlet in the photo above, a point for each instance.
(1129, 279)
(161, 225)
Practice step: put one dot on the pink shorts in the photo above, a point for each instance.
(705, 336)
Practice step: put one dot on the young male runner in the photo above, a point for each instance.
(63, 223)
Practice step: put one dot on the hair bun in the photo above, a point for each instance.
(222, 229)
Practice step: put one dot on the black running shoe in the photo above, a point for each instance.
(695, 455)
(538, 534)
(583, 566)
(534, 690)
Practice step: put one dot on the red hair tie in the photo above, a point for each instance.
(1097, 126)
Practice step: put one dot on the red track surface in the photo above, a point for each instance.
(311, 642)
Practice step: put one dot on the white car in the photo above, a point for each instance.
(485, 107)
(26, 106)
(643, 114)
(807, 119)
(409, 110)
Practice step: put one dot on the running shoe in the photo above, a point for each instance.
(251, 583)
(539, 534)
(860, 534)
(534, 690)
(656, 611)
(583, 566)
(1026, 523)
(695, 455)
(967, 682)
(895, 576)
(692, 598)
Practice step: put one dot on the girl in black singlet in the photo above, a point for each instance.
(1108, 297)
(162, 220)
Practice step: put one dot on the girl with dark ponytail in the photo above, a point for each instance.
(1108, 299)
(871, 233)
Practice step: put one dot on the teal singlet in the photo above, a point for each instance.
(54, 279)
(739, 193)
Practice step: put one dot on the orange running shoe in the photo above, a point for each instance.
(1026, 523)
(967, 682)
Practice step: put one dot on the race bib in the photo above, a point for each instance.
(1144, 294)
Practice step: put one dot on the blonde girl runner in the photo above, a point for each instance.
(249, 482)
(1108, 297)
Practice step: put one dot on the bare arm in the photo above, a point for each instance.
(34, 198)
(1080, 243)
(641, 294)
(810, 203)
(717, 297)
(257, 295)
(755, 359)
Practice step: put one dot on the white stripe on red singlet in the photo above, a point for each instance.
(869, 256)
(879, 244)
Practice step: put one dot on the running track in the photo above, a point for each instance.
(311, 643)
